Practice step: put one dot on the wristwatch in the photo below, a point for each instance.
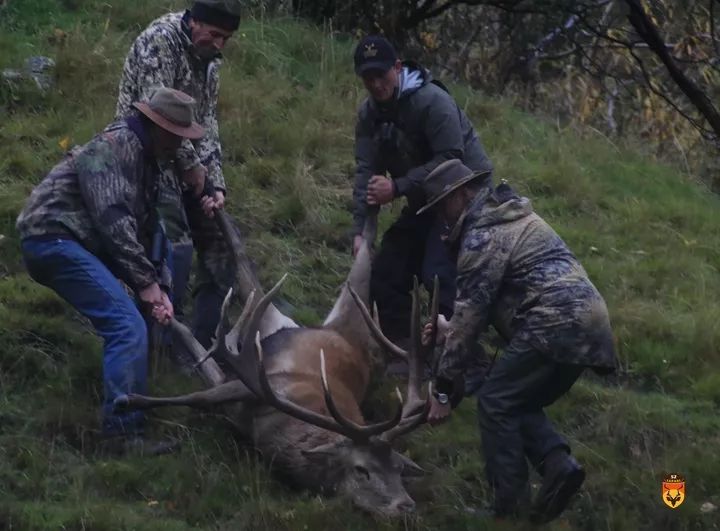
(442, 398)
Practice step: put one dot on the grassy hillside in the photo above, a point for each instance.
(648, 235)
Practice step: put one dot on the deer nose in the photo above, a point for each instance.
(405, 506)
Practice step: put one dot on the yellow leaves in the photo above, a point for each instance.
(58, 37)
(429, 40)
(64, 143)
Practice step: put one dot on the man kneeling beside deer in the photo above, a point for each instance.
(515, 273)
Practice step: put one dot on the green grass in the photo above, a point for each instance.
(647, 234)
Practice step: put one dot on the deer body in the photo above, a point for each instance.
(298, 390)
(296, 371)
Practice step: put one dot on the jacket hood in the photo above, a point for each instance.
(413, 78)
(492, 207)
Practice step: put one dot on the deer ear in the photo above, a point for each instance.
(322, 455)
(410, 468)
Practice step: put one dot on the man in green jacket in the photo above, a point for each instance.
(516, 274)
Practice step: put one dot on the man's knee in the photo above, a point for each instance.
(490, 405)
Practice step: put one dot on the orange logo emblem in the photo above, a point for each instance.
(673, 490)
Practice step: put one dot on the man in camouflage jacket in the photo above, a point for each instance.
(515, 273)
(93, 220)
(182, 51)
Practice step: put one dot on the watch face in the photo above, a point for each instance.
(442, 398)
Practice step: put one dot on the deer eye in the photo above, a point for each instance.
(362, 471)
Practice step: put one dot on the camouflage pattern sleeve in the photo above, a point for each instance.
(208, 148)
(481, 267)
(149, 64)
(109, 193)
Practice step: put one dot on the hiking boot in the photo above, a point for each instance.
(562, 479)
(135, 446)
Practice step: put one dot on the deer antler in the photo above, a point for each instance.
(338, 424)
(375, 327)
(210, 372)
(222, 335)
(367, 431)
(244, 363)
(418, 353)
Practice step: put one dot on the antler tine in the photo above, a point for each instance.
(290, 408)
(240, 325)
(414, 361)
(375, 328)
(428, 350)
(411, 421)
(245, 363)
(362, 431)
(408, 424)
(224, 323)
(220, 331)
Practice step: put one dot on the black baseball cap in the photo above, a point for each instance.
(374, 52)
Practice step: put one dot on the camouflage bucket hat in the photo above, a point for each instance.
(173, 111)
(445, 179)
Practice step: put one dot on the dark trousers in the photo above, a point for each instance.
(207, 299)
(512, 421)
(412, 246)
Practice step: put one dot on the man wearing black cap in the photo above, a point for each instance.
(183, 51)
(516, 274)
(406, 127)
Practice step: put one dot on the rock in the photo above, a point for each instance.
(707, 508)
(38, 68)
(11, 75)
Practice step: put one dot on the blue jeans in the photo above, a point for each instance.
(85, 282)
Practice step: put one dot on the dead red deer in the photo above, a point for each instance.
(299, 390)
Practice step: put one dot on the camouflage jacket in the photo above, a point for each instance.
(101, 195)
(515, 273)
(162, 55)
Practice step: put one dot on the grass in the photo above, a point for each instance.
(647, 234)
